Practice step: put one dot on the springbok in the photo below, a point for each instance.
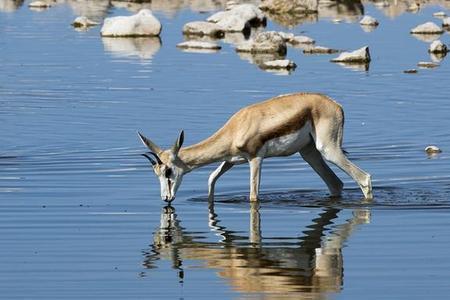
(309, 123)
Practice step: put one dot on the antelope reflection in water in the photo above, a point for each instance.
(310, 266)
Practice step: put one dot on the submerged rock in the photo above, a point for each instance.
(438, 47)
(141, 24)
(199, 45)
(279, 64)
(238, 18)
(39, 4)
(410, 71)
(203, 28)
(427, 64)
(264, 42)
(427, 28)
(83, 22)
(440, 14)
(361, 55)
(320, 50)
(289, 6)
(368, 21)
(432, 149)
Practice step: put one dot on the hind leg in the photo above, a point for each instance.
(313, 157)
(328, 139)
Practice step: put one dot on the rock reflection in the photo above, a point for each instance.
(306, 267)
(347, 10)
(360, 67)
(396, 8)
(9, 6)
(95, 10)
(144, 48)
(427, 38)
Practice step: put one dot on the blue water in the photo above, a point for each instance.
(80, 212)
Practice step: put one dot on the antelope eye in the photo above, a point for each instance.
(168, 172)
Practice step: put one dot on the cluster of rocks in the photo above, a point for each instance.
(430, 32)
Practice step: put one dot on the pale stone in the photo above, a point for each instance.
(238, 18)
(437, 47)
(446, 22)
(199, 45)
(269, 42)
(283, 64)
(369, 21)
(361, 55)
(427, 64)
(141, 24)
(440, 14)
(289, 6)
(320, 50)
(432, 149)
(301, 39)
(427, 28)
(203, 28)
(264, 42)
(39, 4)
(83, 22)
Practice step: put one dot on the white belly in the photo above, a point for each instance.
(287, 144)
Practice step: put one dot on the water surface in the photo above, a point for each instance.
(80, 214)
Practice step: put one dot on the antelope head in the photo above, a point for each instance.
(167, 166)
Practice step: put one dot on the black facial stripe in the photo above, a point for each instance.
(168, 172)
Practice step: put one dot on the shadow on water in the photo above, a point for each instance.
(307, 266)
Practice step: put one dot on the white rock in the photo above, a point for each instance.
(203, 28)
(141, 24)
(361, 55)
(438, 47)
(199, 45)
(320, 50)
(427, 28)
(369, 21)
(427, 64)
(83, 22)
(284, 64)
(446, 22)
(301, 39)
(289, 6)
(238, 18)
(432, 149)
(268, 42)
(39, 4)
(440, 14)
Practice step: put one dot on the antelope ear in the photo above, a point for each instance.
(150, 145)
(176, 147)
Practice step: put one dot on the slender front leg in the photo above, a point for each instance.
(255, 176)
(224, 166)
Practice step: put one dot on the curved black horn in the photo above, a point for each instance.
(150, 159)
(156, 157)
